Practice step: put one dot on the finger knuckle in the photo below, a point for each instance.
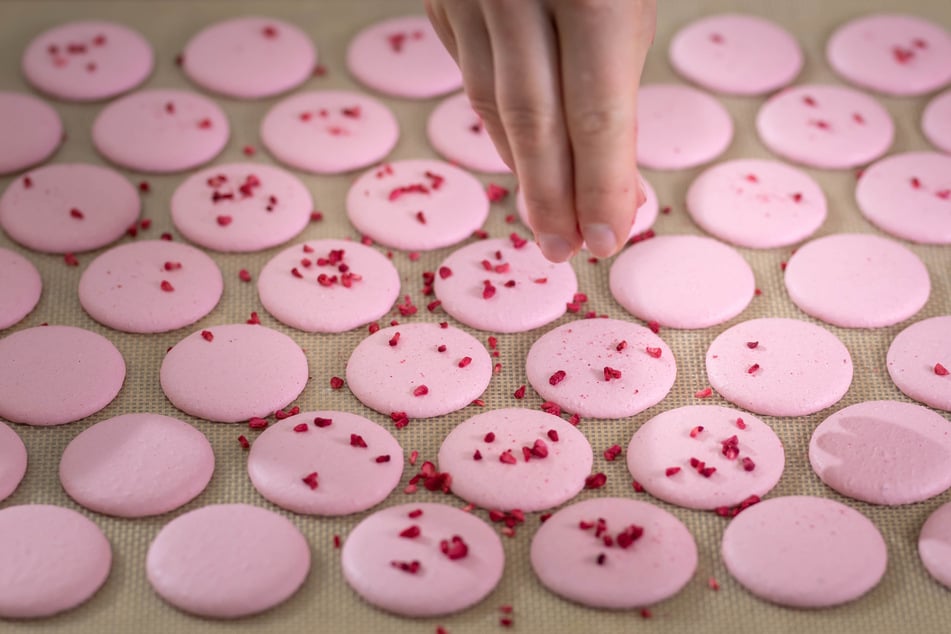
(530, 127)
(600, 121)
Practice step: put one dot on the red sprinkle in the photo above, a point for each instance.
(223, 221)
(207, 336)
(621, 346)
(166, 286)
(411, 533)
(940, 370)
(256, 422)
(322, 422)
(248, 150)
(727, 511)
(520, 392)
(704, 393)
(752, 344)
(464, 361)
(244, 276)
(311, 480)
(753, 369)
(696, 431)
(654, 352)
(672, 471)
(421, 390)
(337, 541)
(336, 382)
(557, 377)
(243, 441)
(915, 183)
(395, 339)
(75, 213)
(300, 427)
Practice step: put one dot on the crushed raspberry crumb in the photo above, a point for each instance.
(748, 464)
(455, 548)
(611, 373)
(713, 584)
(207, 335)
(421, 390)
(489, 437)
(256, 422)
(412, 532)
(672, 471)
(506, 457)
(654, 352)
(464, 361)
(244, 276)
(752, 344)
(704, 393)
(243, 441)
(322, 422)
(637, 486)
(356, 440)
(520, 392)
(595, 481)
(654, 327)
(612, 452)
(412, 567)
(557, 377)
(310, 480)
(167, 286)
(696, 431)
(336, 382)
(753, 369)
(76, 213)
(223, 221)
(300, 427)
(496, 193)
(940, 370)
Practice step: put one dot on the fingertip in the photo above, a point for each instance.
(554, 247)
(600, 239)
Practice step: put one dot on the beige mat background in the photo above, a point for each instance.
(906, 600)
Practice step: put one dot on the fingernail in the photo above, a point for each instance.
(554, 247)
(600, 239)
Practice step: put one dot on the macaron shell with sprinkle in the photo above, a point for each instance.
(22, 287)
(936, 121)
(13, 460)
(913, 356)
(456, 131)
(934, 544)
(31, 131)
(552, 475)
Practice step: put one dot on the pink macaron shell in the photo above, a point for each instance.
(329, 131)
(583, 349)
(403, 57)
(385, 377)
(366, 286)
(804, 552)
(456, 131)
(680, 127)
(241, 207)
(892, 53)
(913, 356)
(12, 461)
(385, 204)
(150, 286)
(674, 438)
(227, 561)
(244, 371)
(757, 203)
(857, 280)
(553, 474)
(161, 131)
(801, 368)
(883, 452)
(374, 549)
(51, 375)
(539, 296)
(682, 281)
(909, 196)
(31, 131)
(41, 216)
(655, 567)
(736, 54)
(87, 60)
(249, 57)
(22, 287)
(350, 477)
(137, 465)
(826, 126)
(936, 121)
(934, 544)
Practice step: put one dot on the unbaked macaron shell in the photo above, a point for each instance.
(601, 368)
(936, 121)
(22, 287)
(374, 555)
(566, 554)
(13, 461)
(934, 544)
(137, 465)
(553, 471)
(914, 358)
(31, 131)
(804, 552)
(456, 131)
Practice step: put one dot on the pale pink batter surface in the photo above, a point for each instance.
(736, 54)
(892, 53)
(553, 471)
(914, 357)
(68, 207)
(357, 462)
(137, 465)
(936, 121)
(682, 281)
(857, 280)
(227, 561)
(656, 565)
(827, 126)
(417, 204)
(374, 556)
(611, 368)
(804, 552)
(456, 131)
(31, 131)
(408, 373)
(22, 286)
(329, 131)
(795, 367)
(51, 375)
(934, 544)
(12, 461)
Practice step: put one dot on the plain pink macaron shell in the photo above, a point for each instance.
(242, 371)
(249, 57)
(417, 204)
(682, 281)
(357, 462)
(883, 452)
(150, 286)
(827, 126)
(936, 121)
(909, 196)
(804, 552)
(857, 280)
(374, 549)
(161, 131)
(934, 544)
(31, 131)
(227, 561)
(12, 461)
(51, 375)
(656, 566)
(680, 127)
(241, 207)
(412, 376)
(69, 207)
(403, 57)
(584, 350)
(137, 465)
(22, 287)
(675, 437)
(913, 356)
(552, 474)
(539, 295)
(329, 131)
(87, 61)
(456, 131)
(755, 203)
(52, 559)
(891, 53)
(798, 368)
(736, 54)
